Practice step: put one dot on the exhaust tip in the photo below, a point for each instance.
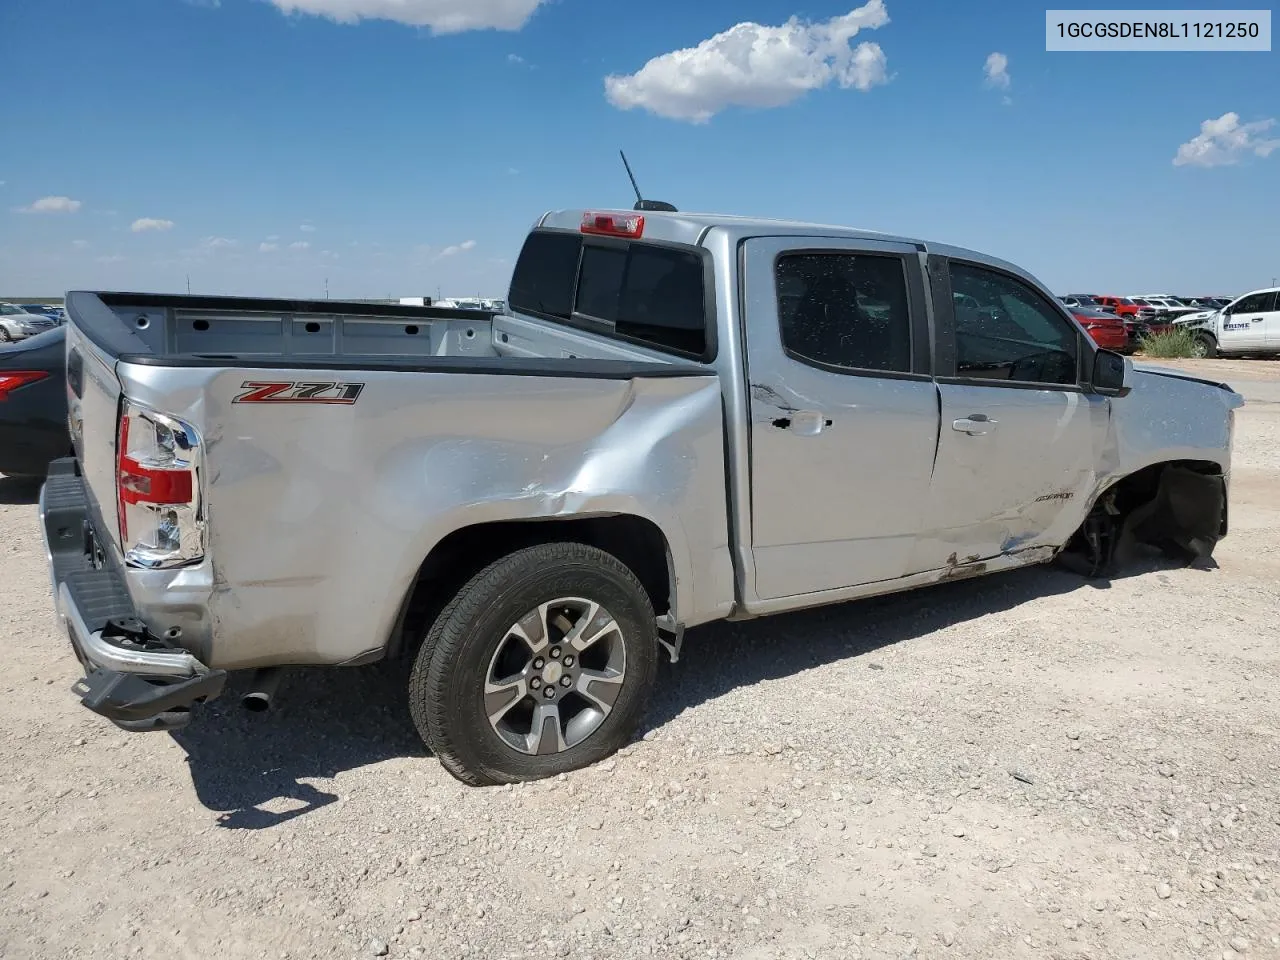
(262, 689)
(256, 702)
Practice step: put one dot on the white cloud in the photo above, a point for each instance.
(750, 65)
(307, 228)
(440, 16)
(300, 245)
(511, 58)
(268, 247)
(54, 205)
(218, 243)
(996, 71)
(147, 223)
(1224, 141)
(114, 258)
(79, 244)
(457, 248)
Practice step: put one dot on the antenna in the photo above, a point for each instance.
(656, 206)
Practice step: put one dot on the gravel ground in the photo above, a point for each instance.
(1021, 766)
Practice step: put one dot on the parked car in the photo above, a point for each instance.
(1080, 300)
(33, 404)
(1120, 306)
(1248, 325)
(17, 324)
(1105, 329)
(49, 311)
(533, 505)
(1161, 308)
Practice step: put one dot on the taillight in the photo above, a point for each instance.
(158, 461)
(11, 380)
(613, 224)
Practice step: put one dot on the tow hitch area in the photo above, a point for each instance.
(137, 702)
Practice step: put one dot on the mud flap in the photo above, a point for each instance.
(1186, 518)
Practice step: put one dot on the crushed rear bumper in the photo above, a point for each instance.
(133, 678)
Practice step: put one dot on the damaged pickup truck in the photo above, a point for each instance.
(677, 419)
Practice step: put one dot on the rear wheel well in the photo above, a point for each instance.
(637, 542)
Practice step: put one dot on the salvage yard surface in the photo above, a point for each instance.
(1026, 765)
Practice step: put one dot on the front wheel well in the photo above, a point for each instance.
(1178, 506)
(635, 541)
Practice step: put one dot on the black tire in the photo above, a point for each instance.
(446, 689)
(1210, 345)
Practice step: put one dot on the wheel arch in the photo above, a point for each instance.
(1176, 502)
(636, 541)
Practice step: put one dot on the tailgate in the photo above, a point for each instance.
(93, 403)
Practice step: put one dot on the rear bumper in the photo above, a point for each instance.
(133, 678)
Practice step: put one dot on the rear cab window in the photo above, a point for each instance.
(639, 291)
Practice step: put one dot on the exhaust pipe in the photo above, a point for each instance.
(262, 690)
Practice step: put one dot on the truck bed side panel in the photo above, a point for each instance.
(320, 515)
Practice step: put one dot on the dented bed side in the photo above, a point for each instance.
(318, 517)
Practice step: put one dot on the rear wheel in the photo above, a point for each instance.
(1205, 347)
(540, 665)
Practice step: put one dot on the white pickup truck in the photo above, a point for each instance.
(1247, 325)
(678, 418)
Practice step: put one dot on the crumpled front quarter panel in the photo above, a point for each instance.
(1168, 418)
(320, 515)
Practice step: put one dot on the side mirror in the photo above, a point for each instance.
(1112, 376)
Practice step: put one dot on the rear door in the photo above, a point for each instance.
(1245, 323)
(1020, 439)
(843, 410)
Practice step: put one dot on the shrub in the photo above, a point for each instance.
(1178, 342)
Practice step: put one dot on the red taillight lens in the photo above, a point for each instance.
(613, 224)
(157, 489)
(139, 484)
(11, 380)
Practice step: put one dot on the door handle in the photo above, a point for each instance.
(807, 423)
(1257, 319)
(974, 425)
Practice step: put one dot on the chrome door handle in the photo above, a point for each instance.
(974, 425)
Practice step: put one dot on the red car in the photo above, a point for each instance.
(1106, 329)
(1120, 306)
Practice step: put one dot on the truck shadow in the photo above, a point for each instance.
(254, 769)
(19, 491)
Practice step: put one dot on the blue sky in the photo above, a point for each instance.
(262, 151)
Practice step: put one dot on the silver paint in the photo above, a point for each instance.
(320, 516)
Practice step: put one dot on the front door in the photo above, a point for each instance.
(1245, 323)
(843, 411)
(1020, 439)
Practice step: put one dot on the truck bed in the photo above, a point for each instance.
(310, 503)
(256, 333)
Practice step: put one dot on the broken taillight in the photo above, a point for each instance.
(158, 460)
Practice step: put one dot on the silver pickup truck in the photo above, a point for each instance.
(676, 419)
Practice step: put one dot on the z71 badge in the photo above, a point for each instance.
(258, 391)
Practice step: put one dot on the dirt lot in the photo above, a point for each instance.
(1022, 766)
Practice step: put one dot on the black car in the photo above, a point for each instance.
(33, 404)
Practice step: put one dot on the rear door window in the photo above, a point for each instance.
(845, 311)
